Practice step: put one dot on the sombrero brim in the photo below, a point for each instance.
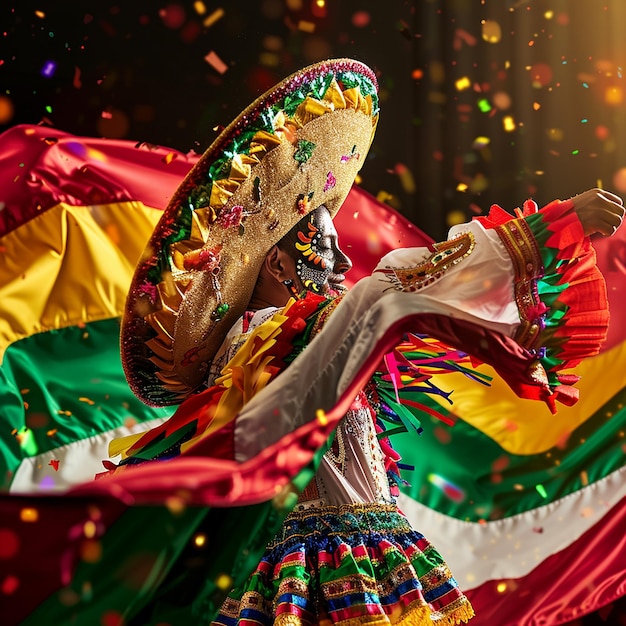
(296, 147)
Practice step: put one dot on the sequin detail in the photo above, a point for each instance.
(447, 254)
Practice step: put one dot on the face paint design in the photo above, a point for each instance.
(319, 254)
(312, 269)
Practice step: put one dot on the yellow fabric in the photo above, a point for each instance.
(244, 375)
(70, 265)
(527, 426)
(121, 445)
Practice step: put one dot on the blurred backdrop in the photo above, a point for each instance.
(482, 100)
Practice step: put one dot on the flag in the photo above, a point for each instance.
(519, 501)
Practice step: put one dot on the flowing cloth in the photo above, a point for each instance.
(198, 479)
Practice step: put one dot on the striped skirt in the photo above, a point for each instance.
(348, 565)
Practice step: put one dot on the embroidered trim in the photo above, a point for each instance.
(447, 254)
(324, 314)
(528, 267)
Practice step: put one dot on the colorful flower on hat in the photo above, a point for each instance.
(331, 181)
(232, 217)
(203, 260)
(304, 203)
(304, 151)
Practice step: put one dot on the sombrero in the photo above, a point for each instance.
(296, 147)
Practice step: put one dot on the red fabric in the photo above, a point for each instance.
(40, 167)
(587, 575)
(219, 482)
(50, 544)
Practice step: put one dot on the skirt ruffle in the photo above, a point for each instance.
(348, 565)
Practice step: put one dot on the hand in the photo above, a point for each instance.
(599, 211)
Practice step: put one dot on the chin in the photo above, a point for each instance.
(336, 290)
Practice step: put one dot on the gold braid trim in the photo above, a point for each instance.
(417, 616)
(324, 315)
(447, 254)
(461, 614)
(528, 267)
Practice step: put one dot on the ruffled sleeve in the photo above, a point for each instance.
(560, 293)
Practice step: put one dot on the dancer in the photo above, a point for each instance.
(238, 312)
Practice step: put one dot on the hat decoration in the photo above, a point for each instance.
(296, 147)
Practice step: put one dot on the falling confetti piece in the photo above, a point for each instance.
(484, 106)
(541, 490)
(463, 83)
(449, 489)
(463, 37)
(214, 17)
(214, 61)
(321, 417)
(491, 31)
(508, 124)
(54, 463)
(306, 27)
(29, 515)
(224, 582)
(10, 585)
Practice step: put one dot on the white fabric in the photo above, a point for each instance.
(79, 461)
(478, 289)
(512, 547)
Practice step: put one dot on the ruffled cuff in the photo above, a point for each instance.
(560, 293)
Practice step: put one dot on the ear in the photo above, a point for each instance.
(279, 264)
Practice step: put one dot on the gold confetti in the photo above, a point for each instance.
(214, 17)
(29, 515)
(224, 582)
(306, 26)
(89, 529)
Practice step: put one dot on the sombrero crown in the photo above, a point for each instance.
(296, 147)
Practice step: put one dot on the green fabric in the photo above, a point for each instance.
(496, 484)
(64, 385)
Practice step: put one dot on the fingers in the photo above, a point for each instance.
(610, 196)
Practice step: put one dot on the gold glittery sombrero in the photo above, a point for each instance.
(299, 145)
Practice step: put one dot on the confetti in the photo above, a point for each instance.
(29, 514)
(9, 585)
(54, 463)
(306, 27)
(541, 490)
(449, 489)
(48, 69)
(215, 62)
(218, 14)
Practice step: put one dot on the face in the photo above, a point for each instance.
(321, 265)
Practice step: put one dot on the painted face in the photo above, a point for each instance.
(321, 265)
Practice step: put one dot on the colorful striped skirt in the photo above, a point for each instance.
(348, 565)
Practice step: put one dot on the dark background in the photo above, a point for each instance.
(137, 70)
(451, 72)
